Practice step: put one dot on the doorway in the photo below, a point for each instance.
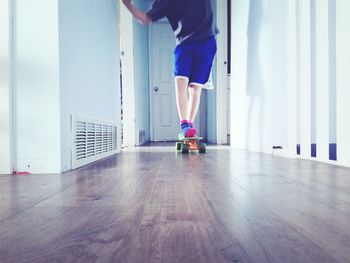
(160, 112)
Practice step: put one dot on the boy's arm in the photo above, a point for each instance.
(139, 15)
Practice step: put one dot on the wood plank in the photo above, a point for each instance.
(152, 205)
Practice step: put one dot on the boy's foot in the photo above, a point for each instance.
(187, 130)
(193, 130)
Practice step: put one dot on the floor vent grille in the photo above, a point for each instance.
(92, 140)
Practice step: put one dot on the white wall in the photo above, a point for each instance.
(332, 28)
(36, 94)
(89, 65)
(259, 74)
(66, 61)
(343, 81)
(5, 89)
(290, 77)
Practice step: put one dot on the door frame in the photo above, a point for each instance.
(221, 73)
(221, 77)
(128, 83)
(6, 88)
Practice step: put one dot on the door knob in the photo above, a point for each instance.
(156, 89)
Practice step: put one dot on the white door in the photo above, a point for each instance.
(164, 116)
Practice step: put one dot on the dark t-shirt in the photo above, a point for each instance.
(191, 20)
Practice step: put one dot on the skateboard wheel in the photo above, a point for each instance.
(178, 146)
(185, 148)
(202, 148)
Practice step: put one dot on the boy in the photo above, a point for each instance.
(193, 24)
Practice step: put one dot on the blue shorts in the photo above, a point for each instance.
(194, 60)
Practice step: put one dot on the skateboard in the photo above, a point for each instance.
(185, 145)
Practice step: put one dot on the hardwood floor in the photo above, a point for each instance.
(151, 205)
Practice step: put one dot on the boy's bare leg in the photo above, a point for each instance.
(181, 86)
(194, 101)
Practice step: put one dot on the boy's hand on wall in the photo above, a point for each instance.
(127, 2)
(138, 14)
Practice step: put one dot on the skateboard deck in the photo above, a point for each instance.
(190, 139)
(186, 144)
